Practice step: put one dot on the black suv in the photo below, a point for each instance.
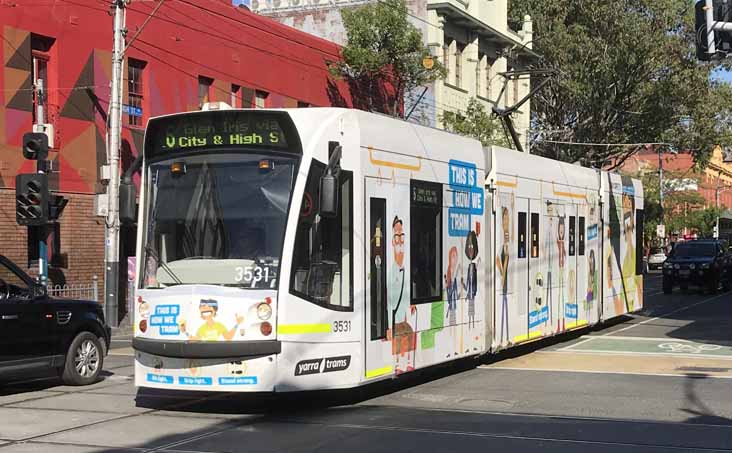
(704, 263)
(38, 332)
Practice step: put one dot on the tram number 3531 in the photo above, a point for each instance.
(341, 326)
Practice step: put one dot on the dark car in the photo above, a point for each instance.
(704, 263)
(38, 332)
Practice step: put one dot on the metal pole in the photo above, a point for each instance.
(41, 168)
(111, 236)
(660, 181)
(709, 9)
(716, 200)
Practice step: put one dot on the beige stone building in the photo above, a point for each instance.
(471, 37)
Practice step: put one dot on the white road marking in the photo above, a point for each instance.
(630, 373)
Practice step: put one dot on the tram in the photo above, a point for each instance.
(323, 248)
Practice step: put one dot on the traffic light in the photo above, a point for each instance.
(721, 13)
(56, 205)
(35, 146)
(31, 199)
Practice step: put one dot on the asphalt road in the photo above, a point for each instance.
(657, 381)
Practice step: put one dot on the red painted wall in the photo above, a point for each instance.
(184, 40)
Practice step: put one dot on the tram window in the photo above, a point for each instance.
(581, 251)
(522, 235)
(534, 235)
(322, 262)
(639, 241)
(377, 277)
(426, 241)
(572, 234)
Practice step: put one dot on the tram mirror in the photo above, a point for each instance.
(127, 202)
(329, 184)
(328, 195)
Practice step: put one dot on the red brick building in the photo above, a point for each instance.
(190, 52)
(716, 177)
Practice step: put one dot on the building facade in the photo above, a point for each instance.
(188, 53)
(472, 38)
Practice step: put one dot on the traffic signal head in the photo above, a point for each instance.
(35, 146)
(56, 205)
(31, 199)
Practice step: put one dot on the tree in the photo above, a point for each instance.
(476, 123)
(384, 50)
(626, 73)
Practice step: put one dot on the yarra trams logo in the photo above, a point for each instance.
(326, 365)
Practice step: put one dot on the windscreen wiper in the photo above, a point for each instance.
(162, 264)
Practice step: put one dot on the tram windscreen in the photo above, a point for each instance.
(217, 218)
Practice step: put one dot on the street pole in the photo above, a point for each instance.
(660, 185)
(111, 232)
(41, 168)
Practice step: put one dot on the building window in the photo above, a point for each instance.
(301, 104)
(235, 98)
(322, 263)
(204, 90)
(425, 241)
(135, 95)
(260, 101)
(459, 65)
(488, 80)
(41, 51)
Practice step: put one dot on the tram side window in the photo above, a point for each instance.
(426, 241)
(522, 235)
(322, 262)
(534, 235)
(581, 228)
(572, 234)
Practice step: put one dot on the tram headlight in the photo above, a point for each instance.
(264, 311)
(677, 267)
(265, 328)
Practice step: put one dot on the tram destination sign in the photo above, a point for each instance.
(206, 130)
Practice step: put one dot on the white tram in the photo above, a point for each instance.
(298, 249)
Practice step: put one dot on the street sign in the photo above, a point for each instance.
(661, 230)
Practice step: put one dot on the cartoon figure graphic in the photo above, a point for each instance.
(628, 271)
(471, 285)
(143, 310)
(452, 289)
(549, 299)
(211, 330)
(615, 298)
(402, 334)
(591, 281)
(502, 264)
(561, 255)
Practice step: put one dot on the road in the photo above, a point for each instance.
(657, 381)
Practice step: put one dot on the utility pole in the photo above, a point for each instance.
(660, 182)
(112, 225)
(41, 167)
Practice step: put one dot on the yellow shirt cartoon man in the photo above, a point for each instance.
(211, 330)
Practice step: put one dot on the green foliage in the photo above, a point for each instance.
(627, 73)
(384, 49)
(476, 123)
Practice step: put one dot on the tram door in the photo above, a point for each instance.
(571, 310)
(387, 272)
(537, 303)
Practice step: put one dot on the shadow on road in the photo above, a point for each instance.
(697, 409)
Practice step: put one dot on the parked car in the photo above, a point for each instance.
(704, 263)
(656, 258)
(38, 332)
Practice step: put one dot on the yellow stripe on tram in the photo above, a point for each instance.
(576, 325)
(527, 337)
(379, 372)
(295, 329)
